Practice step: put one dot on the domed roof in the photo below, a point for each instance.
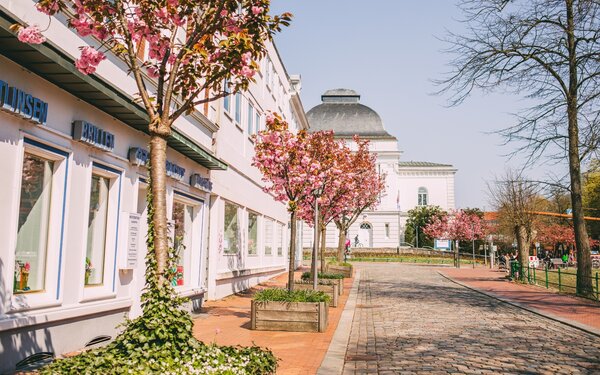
(342, 113)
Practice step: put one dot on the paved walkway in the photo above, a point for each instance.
(568, 308)
(227, 322)
(410, 320)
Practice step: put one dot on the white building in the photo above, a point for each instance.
(408, 183)
(72, 153)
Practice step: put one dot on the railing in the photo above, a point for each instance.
(560, 279)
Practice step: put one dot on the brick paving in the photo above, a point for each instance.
(585, 313)
(411, 320)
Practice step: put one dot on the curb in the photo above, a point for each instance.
(333, 363)
(556, 318)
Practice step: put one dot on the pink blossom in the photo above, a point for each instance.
(31, 34)
(224, 13)
(257, 10)
(89, 60)
(48, 8)
(247, 72)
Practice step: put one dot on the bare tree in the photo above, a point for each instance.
(516, 200)
(549, 52)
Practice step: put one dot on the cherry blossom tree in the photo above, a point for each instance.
(290, 172)
(361, 188)
(193, 47)
(335, 159)
(553, 234)
(457, 226)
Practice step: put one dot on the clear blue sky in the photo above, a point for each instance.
(388, 51)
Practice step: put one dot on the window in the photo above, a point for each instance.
(226, 99)
(96, 236)
(182, 238)
(32, 234)
(252, 232)
(268, 71)
(238, 108)
(250, 118)
(231, 229)
(387, 230)
(280, 239)
(268, 237)
(257, 122)
(422, 198)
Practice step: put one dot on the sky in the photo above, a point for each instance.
(390, 51)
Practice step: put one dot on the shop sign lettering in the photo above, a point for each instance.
(22, 104)
(139, 156)
(88, 133)
(201, 183)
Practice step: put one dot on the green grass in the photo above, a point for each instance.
(283, 295)
(568, 279)
(308, 276)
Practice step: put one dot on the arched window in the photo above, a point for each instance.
(422, 197)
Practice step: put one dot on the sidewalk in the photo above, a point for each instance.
(569, 309)
(227, 322)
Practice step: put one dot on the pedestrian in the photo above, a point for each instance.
(356, 241)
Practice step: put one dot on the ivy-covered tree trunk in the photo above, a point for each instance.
(158, 188)
(323, 248)
(292, 264)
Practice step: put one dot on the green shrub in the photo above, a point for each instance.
(319, 281)
(308, 276)
(283, 295)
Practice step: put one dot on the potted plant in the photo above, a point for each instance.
(333, 278)
(343, 268)
(327, 286)
(282, 310)
(88, 270)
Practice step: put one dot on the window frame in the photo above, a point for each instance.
(51, 295)
(237, 250)
(268, 223)
(108, 287)
(248, 237)
(422, 196)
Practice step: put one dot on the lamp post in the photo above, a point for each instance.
(313, 266)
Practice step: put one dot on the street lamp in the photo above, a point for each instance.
(313, 266)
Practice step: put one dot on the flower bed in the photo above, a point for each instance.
(333, 278)
(342, 268)
(298, 311)
(326, 286)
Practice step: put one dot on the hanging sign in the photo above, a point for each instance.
(22, 104)
(88, 133)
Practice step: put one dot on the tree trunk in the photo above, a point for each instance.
(456, 254)
(341, 243)
(584, 262)
(523, 244)
(158, 177)
(292, 265)
(323, 245)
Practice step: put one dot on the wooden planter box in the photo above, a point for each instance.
(332, 290)
(346, 271)
(289, 316)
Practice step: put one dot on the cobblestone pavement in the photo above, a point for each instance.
(411, 320)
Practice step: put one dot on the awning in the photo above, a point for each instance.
(49, 62)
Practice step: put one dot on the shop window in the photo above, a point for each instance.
(96, 235)
(182, 239)
(250, 118)
(252, 233)
(238, 108)
(280, 233)
(34, 214)
(227, 98)
(268, 237)
(231, 229)
(422, 197)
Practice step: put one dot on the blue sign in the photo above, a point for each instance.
(139, 156)
(201, 183)
(442, 244)
(22, 104)
(88, 133)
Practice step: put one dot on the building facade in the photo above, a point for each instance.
(72, 155)
(408, 183)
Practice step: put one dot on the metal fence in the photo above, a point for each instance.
(559, 279)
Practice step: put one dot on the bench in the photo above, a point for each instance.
(557, 262)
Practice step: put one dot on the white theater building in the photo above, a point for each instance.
(73, 219)
(408, 183)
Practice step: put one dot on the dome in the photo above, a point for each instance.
(342, 113)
